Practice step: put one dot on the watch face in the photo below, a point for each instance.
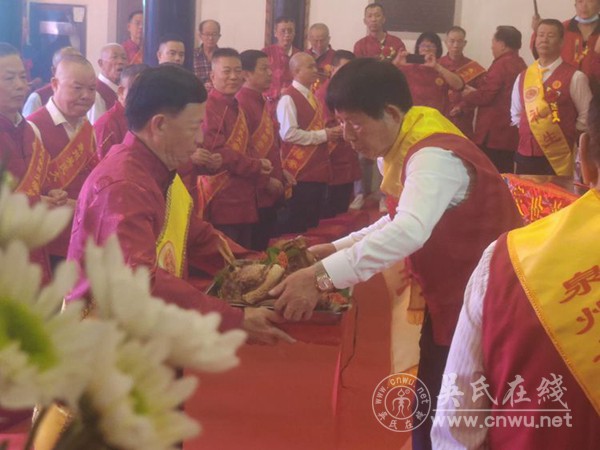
(324, 283)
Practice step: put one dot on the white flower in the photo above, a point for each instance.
(193, 339)
(44, 355)
(136, 397)
(34, 225)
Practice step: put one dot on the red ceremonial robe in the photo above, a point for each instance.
(280, 65)
(492, 126)
(370, 47)
(324, 63)
(134, 52)
(427, 87)
(125, 195)
(254, 106)
(110, 129)
(235, 202)
(464, 120)
(108, 95)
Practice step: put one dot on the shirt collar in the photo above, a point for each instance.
(58, 117)
(229, 100)
(557, 62)
(108, 82)
(303, 89)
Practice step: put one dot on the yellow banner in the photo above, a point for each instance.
(544, 123)
(172, 242)
(558, 265)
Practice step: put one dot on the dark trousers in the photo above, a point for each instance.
(502, 159)
(432, 361)
(305, 206)
(264, 229)
(533, 165)
(337, 199)
(239, 232)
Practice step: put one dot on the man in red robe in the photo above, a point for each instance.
(279, 58)
(318, 37)
(66, 133)
(265, 142)
(112, 62)
(304, 150)
(342, 157)
(442, 215)
(133, 46)
(134, 194)
(538, 284)
(171, 49)
(228, 199)
(110, 129)
(377, 43)
(493, 132)
(471, 73)
(547, 141)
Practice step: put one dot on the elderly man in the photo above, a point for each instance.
(228, 199)
(279, 57)
(67, 134)
(304, 150)
(537, 287)
(318, 37)
(40, 97)
(493, 131)
(549, 105)
(209, 33)
(446, 204)
(130, 194)
(113, 60)
(134, 45)
(377, 43)
(171, 49)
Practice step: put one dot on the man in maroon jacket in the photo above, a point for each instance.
(113, 60)
(318, 37)
(228, 198)
(377, 43)
(493, 131)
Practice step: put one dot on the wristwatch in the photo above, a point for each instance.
(322, 279)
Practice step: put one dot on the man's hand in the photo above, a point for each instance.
(456, 111)
(322, 250)
(334, 133)
(535, 21)
(215, 163)
(290, 180)
(400, 59)
(298, 295)
(431, 61)
(275, 187)
(258, 323)
(467, 90)
(265, 166)
(56, 197)
(208, 86)
(201, 157)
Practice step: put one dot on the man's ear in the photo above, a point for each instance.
(589, 170)
(157, 124)
(394, 112)
(54, 84)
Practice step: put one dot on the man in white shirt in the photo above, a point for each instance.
(447, 203)
(527, 328)
(113, 60)
(304, 151)
(549, 105)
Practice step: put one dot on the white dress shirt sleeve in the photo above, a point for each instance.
(32, 104)
(97, 109)
(516, 109)
(465, 360)
(435, 180)
(289, 130)
(581, 94)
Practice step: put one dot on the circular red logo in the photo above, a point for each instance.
(401, 402)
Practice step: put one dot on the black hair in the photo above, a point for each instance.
(367, 85)
(133, 14)
(170, 37)
(509, 35)
(556, 24)
(431, 37)
(7, 49)
(338, 55)
(133, 70)
(250, 58)
(163, 89)
(457, 28)
(284, 19)
(375, 5)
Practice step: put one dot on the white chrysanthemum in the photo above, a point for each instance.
(34, 225)
(44, 355)
(136, 397)
(193, 339)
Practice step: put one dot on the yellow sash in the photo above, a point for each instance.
(470, 71)
(299, 155)
(419, 123)
(264, 136)
(73, 158)
(209, 185)
(34, 178)
(558, 264)
(544, 123)
(172, 242)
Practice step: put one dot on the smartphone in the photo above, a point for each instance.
(415, 59)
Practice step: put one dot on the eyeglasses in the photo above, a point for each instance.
(211, 35)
